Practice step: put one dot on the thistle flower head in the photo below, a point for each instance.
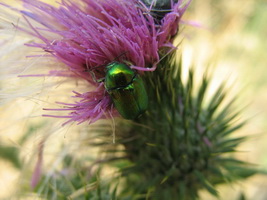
(87, 35)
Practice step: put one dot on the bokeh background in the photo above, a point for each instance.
(228, 37)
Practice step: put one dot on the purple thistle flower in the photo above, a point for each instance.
(87, 35)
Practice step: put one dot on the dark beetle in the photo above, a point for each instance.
(160, 7)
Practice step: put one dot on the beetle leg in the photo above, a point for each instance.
(95, 79)
(100, 80)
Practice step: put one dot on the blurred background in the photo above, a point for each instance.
(232, 37)
(227, 36)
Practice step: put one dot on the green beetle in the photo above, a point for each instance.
(126, 90)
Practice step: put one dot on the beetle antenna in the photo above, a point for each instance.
(93, 68)
(120, 55)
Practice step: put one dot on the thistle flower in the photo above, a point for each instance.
(88, 35)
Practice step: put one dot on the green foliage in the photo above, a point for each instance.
(74, 181)
(11, 154)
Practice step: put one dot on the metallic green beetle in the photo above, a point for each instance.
(126, 90)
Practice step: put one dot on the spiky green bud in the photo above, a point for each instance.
(183, 143)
